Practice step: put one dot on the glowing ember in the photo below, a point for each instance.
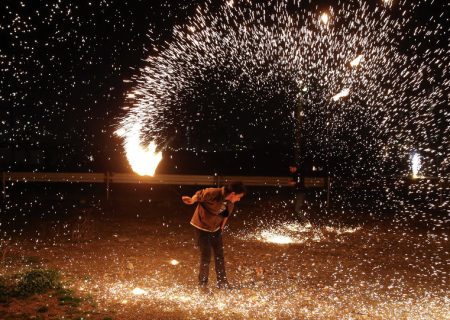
(174, 262)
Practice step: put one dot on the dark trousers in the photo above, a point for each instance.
(300, 205)
(207, 242)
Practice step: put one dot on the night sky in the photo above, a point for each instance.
(68, 70)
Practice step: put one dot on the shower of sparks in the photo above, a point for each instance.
(246, 46)
(295, 233)
(416, 164)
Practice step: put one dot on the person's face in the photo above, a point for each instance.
(292, 169)
(234, 197)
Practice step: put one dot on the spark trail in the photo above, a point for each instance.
(367, 77)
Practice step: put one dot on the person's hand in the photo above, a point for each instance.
(187, 200)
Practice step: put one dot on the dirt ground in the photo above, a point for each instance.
(333, 268)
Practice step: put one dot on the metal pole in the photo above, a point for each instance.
(107, 186)
(328, 191)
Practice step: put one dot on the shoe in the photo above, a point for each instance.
(225, 286)
(203, 288)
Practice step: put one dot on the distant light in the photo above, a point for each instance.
(138, 292)
(324, 18)
(344, 92)
(174, 262)
(416, 164)
(356, 61)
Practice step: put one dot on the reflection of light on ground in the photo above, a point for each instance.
(285, 301)
(139, 291)
(268, 236)
(295, 233)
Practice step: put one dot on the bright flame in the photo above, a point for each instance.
(139, 292)
(356, 61)
(324, 18)
(343, 93)
(143, 160)
(388, 2)
(174, 262)
(416, 164)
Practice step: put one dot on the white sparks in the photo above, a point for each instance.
(355, 62)
(343, 93)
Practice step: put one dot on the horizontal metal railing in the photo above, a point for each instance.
(133, 178)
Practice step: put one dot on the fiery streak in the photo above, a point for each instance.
(143, 160)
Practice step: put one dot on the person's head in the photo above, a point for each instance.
(234, 191)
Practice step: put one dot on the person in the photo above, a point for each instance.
(214, 206)
(298, 181)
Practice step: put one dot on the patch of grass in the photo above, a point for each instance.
(69, 300)
(4, 291)
(37, 281)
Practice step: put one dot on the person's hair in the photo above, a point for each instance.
(236, 187)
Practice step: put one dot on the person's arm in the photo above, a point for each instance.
(224, 222)
(189, 200)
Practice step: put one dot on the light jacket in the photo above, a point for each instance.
(210, 204)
